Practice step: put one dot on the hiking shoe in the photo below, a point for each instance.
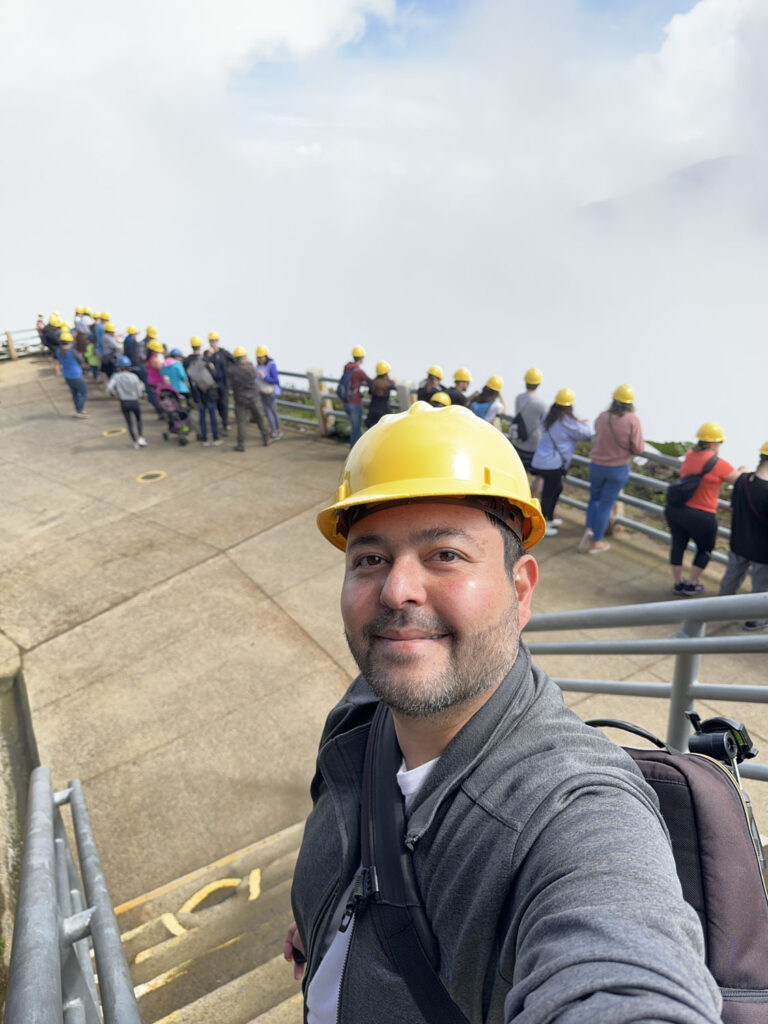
(586, 541)
(752, 624)
(678, 588)
(689, 589)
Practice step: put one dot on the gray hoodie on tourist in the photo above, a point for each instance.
(543, 864)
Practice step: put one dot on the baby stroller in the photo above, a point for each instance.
(171, 404)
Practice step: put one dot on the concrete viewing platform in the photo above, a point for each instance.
(181, 640)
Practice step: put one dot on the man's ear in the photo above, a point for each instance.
(526, 578)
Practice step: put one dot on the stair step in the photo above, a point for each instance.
(253, 996)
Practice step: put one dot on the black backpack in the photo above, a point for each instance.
(685, 488)
(714, 838)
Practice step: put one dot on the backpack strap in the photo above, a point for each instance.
(398, 913)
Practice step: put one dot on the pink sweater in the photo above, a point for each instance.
(617, 439)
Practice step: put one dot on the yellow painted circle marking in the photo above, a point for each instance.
(113, 432)
(151, 476)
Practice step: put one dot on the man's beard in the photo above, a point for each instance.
(477, 662)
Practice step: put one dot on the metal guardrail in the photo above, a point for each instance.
(688, 645)
(14, 344)
(51, 980)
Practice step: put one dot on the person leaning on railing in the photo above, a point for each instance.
(618, 436)
(749, 535)
(696, 519)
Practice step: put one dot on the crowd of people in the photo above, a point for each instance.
(130, 367)
(545, 438)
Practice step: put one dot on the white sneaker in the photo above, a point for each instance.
(586, 541)
(206, 444)
(555, 522)
(142, 442)
(552, 531)
(136, 445)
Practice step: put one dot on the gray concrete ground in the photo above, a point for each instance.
(181, 638)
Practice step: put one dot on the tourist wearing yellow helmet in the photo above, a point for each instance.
(462, 378)
(432, 382)
(561, 432)
(380, 389)
(268, 382)
(440, 398)
(749, 535)
(516, 815)
(696, 519)
(353, 377)
(219, 361)
(241, 376)
(525, 430)
(489, 403)
(50, 334)
(618, 437)
(71, 368)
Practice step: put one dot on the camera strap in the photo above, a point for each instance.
(398, 913)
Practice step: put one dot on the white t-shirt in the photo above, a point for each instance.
(323, 992)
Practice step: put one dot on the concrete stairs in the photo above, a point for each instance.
(207, 948)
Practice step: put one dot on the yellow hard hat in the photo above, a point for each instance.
(764, 449)
(435, 371)
(213, 336)
(105, 316)
(109, 328)
(428, 452)
(624, 393)
(65, 336)
(151, 332)
(79, 309)
(533, 376)
(495, 382)
(196, 342)
(239, 352)
(463, 374)
(564, 397)
(261, 350)
(63, 324)
(710, 431)
(358, 352)
(382, 367)
(440, 398)
(54, 320)
(131, 329)
(155, 345)
(87, 310)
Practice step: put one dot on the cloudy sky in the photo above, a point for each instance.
(496, 183)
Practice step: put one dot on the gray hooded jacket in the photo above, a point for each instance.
(543, 864)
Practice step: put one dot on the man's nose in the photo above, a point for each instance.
(404, 583)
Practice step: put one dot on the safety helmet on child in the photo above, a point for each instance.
(463, 374)
(564, 397)
(155, 345)
(382, 367)
(239, 352)
(495, 382)
(625, 394)
(533, 376)
(435, 371)
(123, 361)
(261, 350)
(358, 352)
(710, 431)
(440, 398)
(428, 452)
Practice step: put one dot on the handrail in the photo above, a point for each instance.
(688, 644)
(50, 977)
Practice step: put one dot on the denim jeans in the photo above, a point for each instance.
(79, 391)
(355, 413)
(210, 408)
(605, 482)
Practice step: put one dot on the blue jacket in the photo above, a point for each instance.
(558, 443)
(70, 364)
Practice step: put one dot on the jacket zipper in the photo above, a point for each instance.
(366, 886)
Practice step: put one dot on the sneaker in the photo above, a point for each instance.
(689, 589)
(752, 624)
(586, 541)
(551, 531)
(678, 588)
(217, 444)
(600, 547)
(206, 444)
(142, 442)
(276, 435)
(136, 445)
(81, 415)
(555, 522)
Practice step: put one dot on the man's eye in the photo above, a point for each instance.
(447, 556)
(369, 561)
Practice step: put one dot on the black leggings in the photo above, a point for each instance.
(553, 488)
(686, 524)
(132, 409)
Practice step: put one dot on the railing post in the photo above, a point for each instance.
(404, 389)
(319, 401)
(11, 346)
(685, 675)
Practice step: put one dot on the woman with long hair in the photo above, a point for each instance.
(379, 390)
(560, 433)
(488, 403)
(618, 436)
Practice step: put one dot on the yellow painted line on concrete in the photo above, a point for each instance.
(254, 884)
(171, 923)
(169, 920)
(151, 476)
(162, 979)
(197, 897)
(178, 883)
(159, 947)
(113, 432)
